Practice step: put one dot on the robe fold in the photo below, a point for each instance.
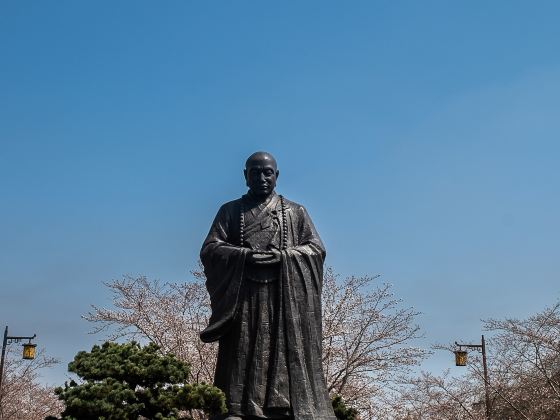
(267, 318)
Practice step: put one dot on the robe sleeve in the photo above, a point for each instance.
(308, 249)
(301, 282)
(308, 239)
(223, 265)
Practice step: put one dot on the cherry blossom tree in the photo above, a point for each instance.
(367, 332)
(24, 397)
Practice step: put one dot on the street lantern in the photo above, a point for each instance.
(29, 351)
(460, 358)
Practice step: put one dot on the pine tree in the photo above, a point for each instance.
(125, 381)
(342, 411)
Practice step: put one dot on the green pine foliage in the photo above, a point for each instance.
(341, 411)
(125, 381)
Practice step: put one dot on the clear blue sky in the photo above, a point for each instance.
(422, 136)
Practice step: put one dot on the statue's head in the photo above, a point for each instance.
(261, 173)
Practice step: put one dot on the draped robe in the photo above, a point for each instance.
(267, 318)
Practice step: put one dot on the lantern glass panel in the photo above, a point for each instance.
(460, 358)
(29, 351)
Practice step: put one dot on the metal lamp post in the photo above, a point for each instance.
(28, 353)
(461, 360)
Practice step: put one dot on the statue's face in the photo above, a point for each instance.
(261, 175)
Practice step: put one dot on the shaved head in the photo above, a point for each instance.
(260, 158)
(261, 173)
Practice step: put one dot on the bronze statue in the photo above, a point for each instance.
(263, 261)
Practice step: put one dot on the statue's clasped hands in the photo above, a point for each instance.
(264, 257)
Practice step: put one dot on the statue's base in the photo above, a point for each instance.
(233, 417)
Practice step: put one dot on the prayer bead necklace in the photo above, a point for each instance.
(241, 223)
(284, 228)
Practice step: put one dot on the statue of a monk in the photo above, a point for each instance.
(263, 261)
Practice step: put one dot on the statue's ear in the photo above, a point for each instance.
(277, 173)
